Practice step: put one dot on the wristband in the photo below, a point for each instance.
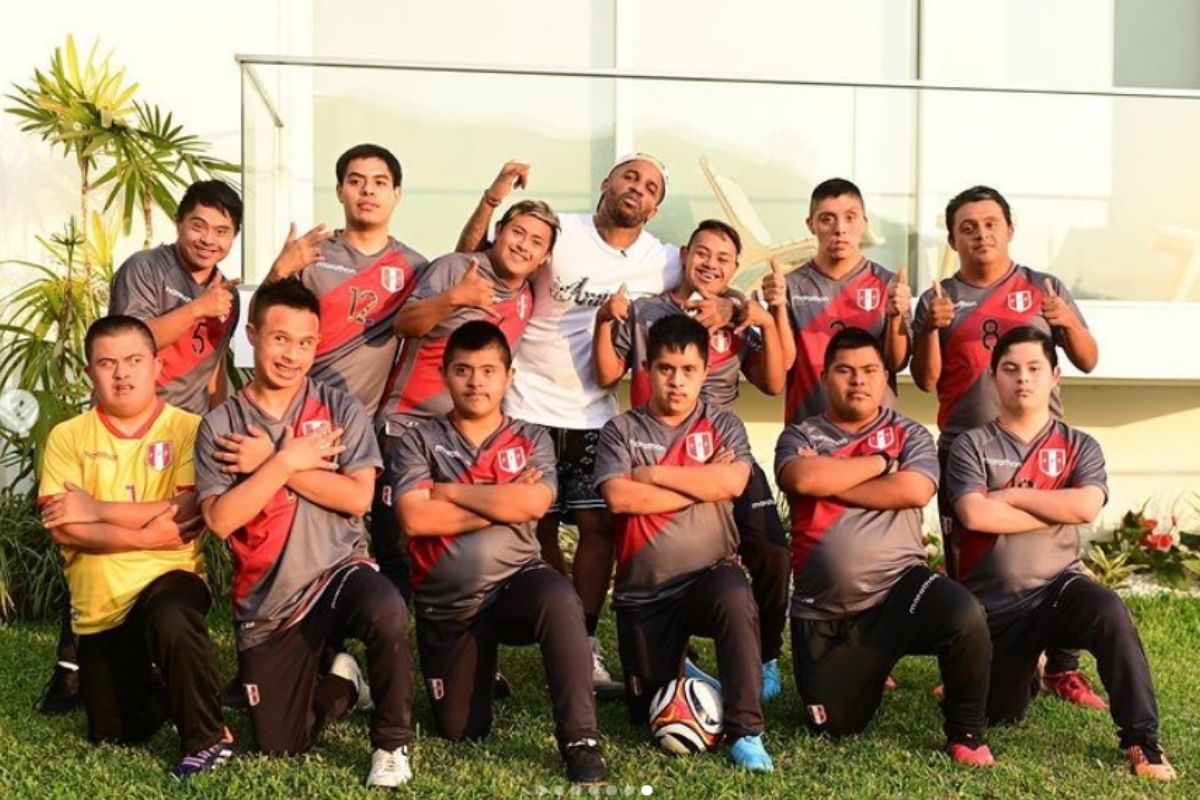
(491, 201)
(888, 462)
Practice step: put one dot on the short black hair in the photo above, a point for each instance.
(675, 333)
(724, 229)
(213, 194)
(975, 194)
(368, 151)
(476, 335)
(834, 187)
(851, 339)
(289, 292)
(113, 325)
(1020, 335)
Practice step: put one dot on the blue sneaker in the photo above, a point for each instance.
(692, 671)
(772, 686)
(206, 760)
(748, 752)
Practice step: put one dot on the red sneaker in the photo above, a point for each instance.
(970, 753)
(1149, 761)
(1073, 687)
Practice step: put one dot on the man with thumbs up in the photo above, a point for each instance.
(840, 288)
(958, 322)
(179, 292)
(492, 285)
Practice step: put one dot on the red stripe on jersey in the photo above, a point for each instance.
(504, 459)
(355, 304)
(639, 382)
(1032, 474)
(842, 311)
(967, 352)
(190, 350)
(424, 380)
(256, 547)
(635, 531)
(140, 432)
(813, 517)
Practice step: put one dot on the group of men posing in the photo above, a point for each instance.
(467, 405)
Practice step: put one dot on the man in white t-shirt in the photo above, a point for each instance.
(554, 386)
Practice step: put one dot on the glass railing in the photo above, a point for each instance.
(1101, 183)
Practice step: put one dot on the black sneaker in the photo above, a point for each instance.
(501, 688)
(61, 694)
(233, 696)
(584, 762)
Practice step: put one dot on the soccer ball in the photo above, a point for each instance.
(687, 716)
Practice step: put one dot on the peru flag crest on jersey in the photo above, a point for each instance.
(699, 446)
(868, 298)
(511, 460)
(1052, 461)
(1020, 301)
(314, 426)
(882, 439)
(159, 455)
(720, 340)
(391, 278)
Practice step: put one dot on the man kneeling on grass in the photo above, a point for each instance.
(285, 471)
(469, 489)
(118, 498)
(670, 472)
(857, 478)
(1021, 486)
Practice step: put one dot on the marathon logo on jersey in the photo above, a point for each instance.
(511, 460)
(1052, 461)
(391, 278)
(523, 306)
(720, 340)
(882, 439)
(699, 445)
(314, 426)
(868, 298)
(159, 455)
(1020, 301)
(817, 714)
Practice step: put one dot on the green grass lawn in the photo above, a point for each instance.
(1059, 751)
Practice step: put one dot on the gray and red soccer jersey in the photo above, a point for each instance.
(728, 353)
(152, 283)
(454, 577)
(415, 390)
(845, 559)
(819, 307)
(966, 395)
(660, 555)
(283, 557)
(359, 296)
(1007, 572)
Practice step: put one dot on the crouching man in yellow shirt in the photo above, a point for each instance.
(117, 496)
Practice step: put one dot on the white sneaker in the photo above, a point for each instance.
(344, 666)
(389, 768)
(602, 681)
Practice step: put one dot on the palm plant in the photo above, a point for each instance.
(44, 334)
(85, 110)
(147, 166)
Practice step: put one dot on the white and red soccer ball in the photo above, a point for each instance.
(687, 716)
